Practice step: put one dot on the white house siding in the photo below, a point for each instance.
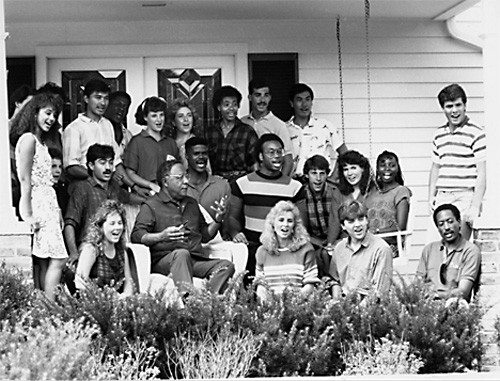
(411, 60)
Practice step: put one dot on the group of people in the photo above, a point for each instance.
(286, 202)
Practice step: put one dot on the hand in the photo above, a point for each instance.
(174, 233)
(220, 209)
(34, 224)
(432, 205)
(118, 177)
(71, 262)
(154, 187)
(329, 249)
(143, 192)
(240, 237)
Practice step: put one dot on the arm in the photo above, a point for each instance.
(120, 175)
(25, 151)
(219, 208)
(87, 260)
(336, 288)
(310, 273)
(128, 287)
(469, 274)
(333, 222)
(402, 210)
(382, 273)
(136, 179)
(144, 226)
(72, 153)
(234, 218)
(479, 189)
(70, 239)
(433, 176)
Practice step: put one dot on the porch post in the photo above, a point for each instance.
(487, 229)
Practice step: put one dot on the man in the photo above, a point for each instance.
(263, 120)
(361, 263)
(458, 172)
(173, 227)
(451, 266)
(310, 135)
(318, 197)
(255, 194)
(88, 128)
(89, 194)
(206, 189)
(231, 142)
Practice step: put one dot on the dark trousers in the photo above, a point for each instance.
(183, 266)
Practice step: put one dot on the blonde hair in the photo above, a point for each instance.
(299, 234)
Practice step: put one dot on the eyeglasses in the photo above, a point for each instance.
(274, 152)
(178, 177)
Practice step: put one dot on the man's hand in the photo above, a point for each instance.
(71, 262)
(240, 238)
(220, 209)
(143, 192)
(174, 233)
(155, 187)
(118, 177)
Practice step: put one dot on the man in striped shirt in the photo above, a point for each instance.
(255, 194)
(458, 172)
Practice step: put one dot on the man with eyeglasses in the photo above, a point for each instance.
(255, 194)
(172, 225)
(450, 266)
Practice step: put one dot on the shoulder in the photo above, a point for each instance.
(261, 254)
(432, 247)
(402, 192)
(88, 250)
(472, 249)
(26, 140)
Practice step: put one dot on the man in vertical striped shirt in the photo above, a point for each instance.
(458, 172)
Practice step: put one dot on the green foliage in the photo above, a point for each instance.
(15, 294)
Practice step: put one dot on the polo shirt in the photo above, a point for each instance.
(259, 193)
(462, 263)
(270, 124)
(161, 211)
(83, 132)
(144, 154)
(87, 197)
(210, 191)
(457, 153)
(369, 268)
(317, 137)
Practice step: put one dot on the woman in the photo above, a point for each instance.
(389, 203)
(181, 122)
(286, 258)
(104, 257)
(38, 203)
(355, 180)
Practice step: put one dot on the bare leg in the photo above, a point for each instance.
(53, 276)
(40, 274)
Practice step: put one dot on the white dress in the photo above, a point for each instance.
(48, 240)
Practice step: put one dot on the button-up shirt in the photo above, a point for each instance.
(161, 211)
(86, 198)
(210, 191)
(369, 268)
(83, 132)
(270, 124)
(461, 263)
(317, 137)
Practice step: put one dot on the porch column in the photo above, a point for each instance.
(14, 235)
(487, 229)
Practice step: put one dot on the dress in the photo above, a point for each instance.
(48, 241)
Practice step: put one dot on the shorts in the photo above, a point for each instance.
(461, 199)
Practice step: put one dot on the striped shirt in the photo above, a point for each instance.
(259, 193)
(457, 153)
(286, 268)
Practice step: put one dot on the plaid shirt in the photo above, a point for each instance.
(234, 155)
(318, 210)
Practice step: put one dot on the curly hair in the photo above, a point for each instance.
(176, 105)
(27, 119)
(299, 234)
(95, 234)
(390, 155)
(354, 158)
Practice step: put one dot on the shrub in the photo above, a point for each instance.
(384, 358)
(15, 294)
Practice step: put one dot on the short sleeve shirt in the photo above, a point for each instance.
(83, 132)
(144, 154)
(318, 137)
(382, 208)
(270, 124)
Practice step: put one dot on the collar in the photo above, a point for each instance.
(145, 134)
(165, 197)
(309, 123)
(210, 180)
(269, 177)
(460, 246)
(365, 242)
(465, 121)
(86, 119)
(95, 184)
(265, 117)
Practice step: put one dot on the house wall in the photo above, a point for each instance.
(410, 60)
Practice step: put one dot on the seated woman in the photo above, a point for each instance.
(389, 205)
(355, 181)
(104, 257)
(286, 258)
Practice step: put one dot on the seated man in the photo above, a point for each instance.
(361, 262)
(173, 227)
(451, 266)
(206, 189)
(89, 194)
(319, 200)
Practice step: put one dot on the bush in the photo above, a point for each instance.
(15, 294)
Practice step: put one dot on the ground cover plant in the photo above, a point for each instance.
(139, 337)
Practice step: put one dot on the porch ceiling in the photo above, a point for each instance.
(29, 11)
